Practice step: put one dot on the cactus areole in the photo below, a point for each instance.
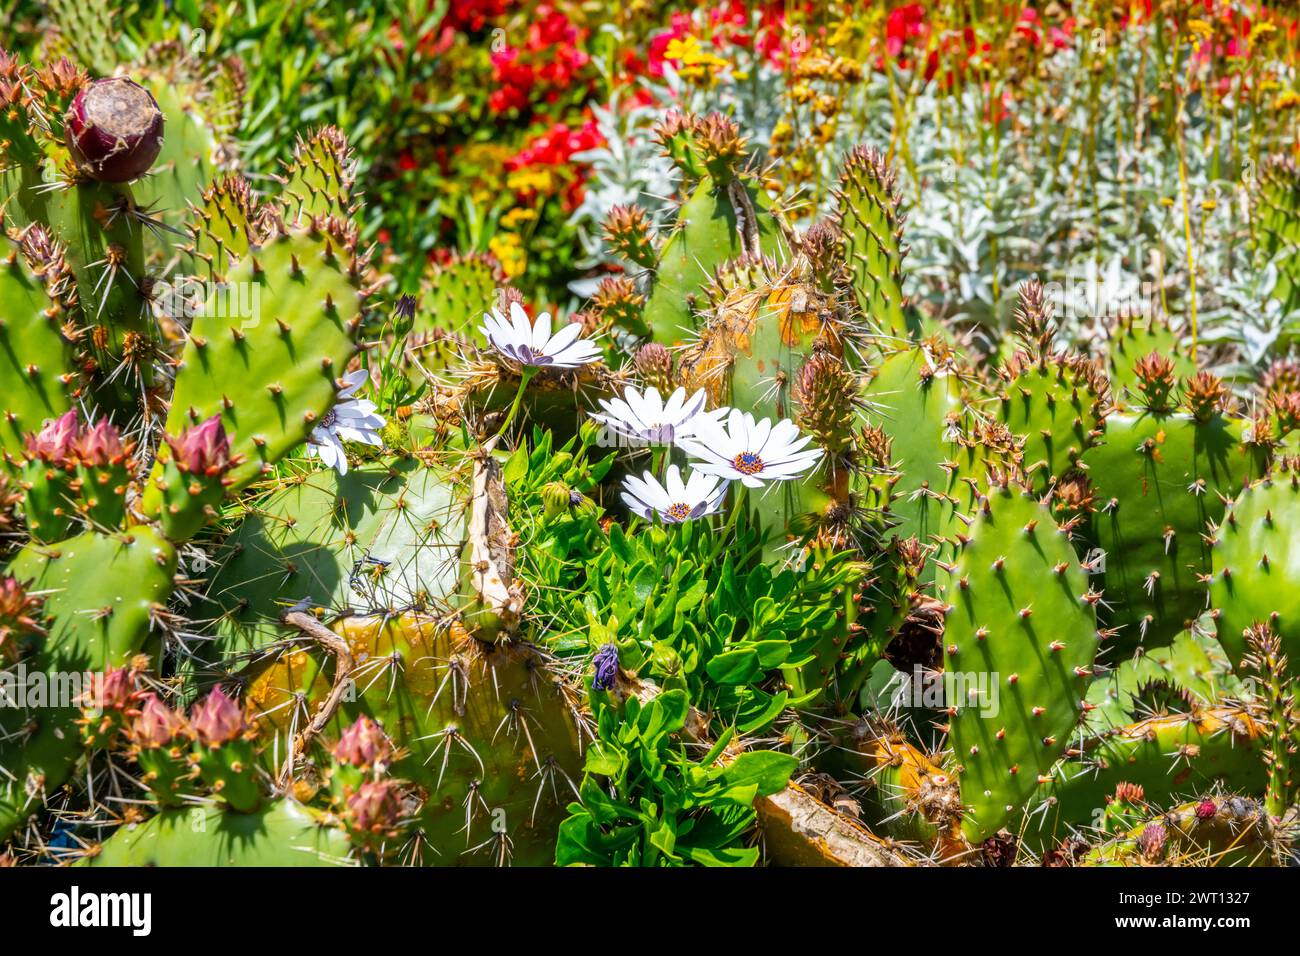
(114, 130)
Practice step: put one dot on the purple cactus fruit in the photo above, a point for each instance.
(217, 719)
(114, 130)
(203, 449)
(363, 745)
(606, 666)
(54, 444)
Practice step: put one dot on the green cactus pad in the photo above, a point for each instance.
(35, 360)
(1057, 406)
(318, 181)
(1157, 481)
(1256, 577)
(270, 369)
(916, 407)
(491, 734)
(101, 595)
(323, 538)
(868, 215)
(1132, 339)
(1170, 756)
(708, 232)
(282, 834)
(1193, 671)
(224, 225)
(1020, 615)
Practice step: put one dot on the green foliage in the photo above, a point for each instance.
(644, 802)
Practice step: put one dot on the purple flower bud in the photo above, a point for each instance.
(1152, 840)
(606, 667)
(375, 807)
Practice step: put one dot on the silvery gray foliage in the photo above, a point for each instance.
(1089, 201)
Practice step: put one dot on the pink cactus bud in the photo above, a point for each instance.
(363, 745)
(114, 691)
(203, 449)
(114, 130)
(20, 616)
(55, 442)
(1206, 809)
(101, 445)
(157, 725)
(217, 719)
(1152, 840)
(375, 807)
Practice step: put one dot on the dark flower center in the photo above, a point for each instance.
(678, 512)
(748, 463)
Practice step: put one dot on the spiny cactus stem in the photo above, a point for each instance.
(318, 632)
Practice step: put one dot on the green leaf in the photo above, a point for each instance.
(722, 856)
(516, 468)
(768, 770)
(771, 653)
(735, 667)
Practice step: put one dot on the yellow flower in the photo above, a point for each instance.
(518, 216)
(1286, 100)
(1261, 29)
(679, 48)
(509, 250)
(536, 179)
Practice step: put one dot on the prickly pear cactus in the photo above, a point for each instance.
(1255, 565)
(282, 834)
(1022, 612)
(1159, 478)
(377, 537)
(727, 214)
(490, 734)
(101, 596)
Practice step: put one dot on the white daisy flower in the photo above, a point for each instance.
(675, 501)
(648, 420)
(351, 419)
(753, 453)
(532, 344)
